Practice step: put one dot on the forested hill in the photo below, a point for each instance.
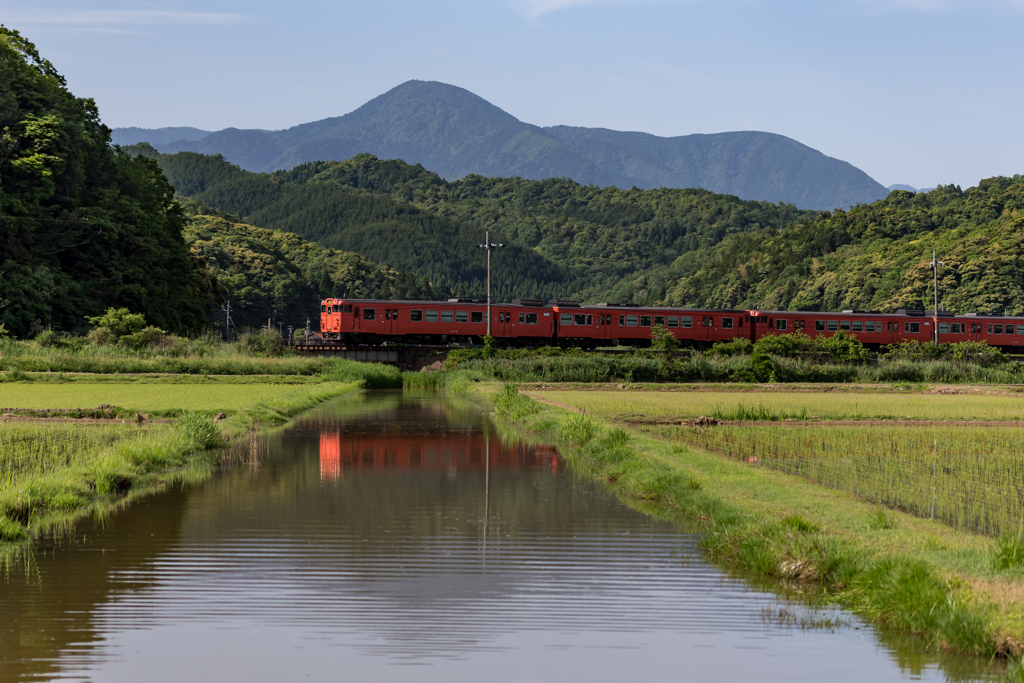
(874, 257)
(83, 226)
(564, 239)
(269, 274)
(453, 132)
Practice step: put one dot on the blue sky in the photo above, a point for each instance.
(911, 91)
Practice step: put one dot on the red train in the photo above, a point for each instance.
(528, 322)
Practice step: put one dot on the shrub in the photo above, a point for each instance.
(844, 348)
(262, 343)
(144, 338)
(737, 347)
(663, 342)
(119, 322)
(796, 345)
(48, 339)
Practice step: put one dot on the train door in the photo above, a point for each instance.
(387, 319)
(357, 319)
(500, 322)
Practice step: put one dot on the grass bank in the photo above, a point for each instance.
(53, 472)
(959, 590)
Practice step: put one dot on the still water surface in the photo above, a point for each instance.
(390, 537)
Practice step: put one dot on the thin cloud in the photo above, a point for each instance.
(129, 18)
(532, 9)
(946, 5)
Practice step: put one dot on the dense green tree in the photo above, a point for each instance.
(83, 226)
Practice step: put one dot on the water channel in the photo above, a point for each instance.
(391, 537)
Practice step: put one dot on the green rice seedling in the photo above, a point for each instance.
(11, 531)
(798, 523)
(512, 405)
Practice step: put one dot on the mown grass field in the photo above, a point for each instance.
(160, 399)
(824, 405)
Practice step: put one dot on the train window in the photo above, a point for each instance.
(869, 326)
(323, 309)
(630, 321)
(590, 319)
(415, 316)
(431, 316)
(999, 329)
(348, 308)
(394, 314)
(1020, 329)
(844, 325)
(912, 327)
(727, 323)
(943, 328)
(990, 328)
(686, 321)
(387, 314)
(600, 319)
(476, 317)
(622, 320)
(501, 317)
(579, 319)
(645, 321)
(1009, 329)
(780, 324)
(673, 321)
(858, 325)
(369, 314)
(659, 320)
(819, 325)
(531, 318)
(357, 313)
(565, 319)
(446, 316)
(462, 316)
(522, 318)
(833, 325)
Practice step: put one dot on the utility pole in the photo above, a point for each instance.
(489, 246)
(935, 272)
(227, 321)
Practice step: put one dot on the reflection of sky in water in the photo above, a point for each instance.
(347, 557)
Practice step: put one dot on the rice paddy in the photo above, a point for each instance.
(971, 478)
(144, 398)
(794, 405)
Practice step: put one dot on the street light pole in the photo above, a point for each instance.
(935, 272)
(489, 246)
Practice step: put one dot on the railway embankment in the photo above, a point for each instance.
(866, 540)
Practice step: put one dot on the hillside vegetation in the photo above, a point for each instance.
(83, 226)
(563, 239)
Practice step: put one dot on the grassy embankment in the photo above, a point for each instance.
(55, 470)
(959, 589)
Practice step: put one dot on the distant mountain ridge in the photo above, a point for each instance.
(453, 132)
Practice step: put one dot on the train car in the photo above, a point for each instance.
(630, 325)
(372, 322)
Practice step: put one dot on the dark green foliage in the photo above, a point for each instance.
(83, 227)
(266, 343)
(976, 353)
(270, 274)
(562, 239)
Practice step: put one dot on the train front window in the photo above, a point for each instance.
(323, 309)
(415, 316)
(686, 321)
(531, 318)
(727, 323)
(446, 316)
(431, 316)
(579, 319)
(673, 321)
(462, 316)
(369, 314)
(780, 324)
(565, 319)
(630, 321)
(476, 317)
(819, 325)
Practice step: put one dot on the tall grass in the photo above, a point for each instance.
(970, 478)
(27, 449)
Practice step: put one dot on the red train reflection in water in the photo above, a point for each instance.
(340, 452)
